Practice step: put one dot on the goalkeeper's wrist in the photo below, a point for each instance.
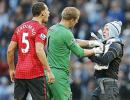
(94, 51)
(89, 43)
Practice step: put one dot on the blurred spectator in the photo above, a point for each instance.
(19, 16)
(4, 17)
(90, 88)
(4, 89)
(75, 86)
(90, 8)
(83, 32)
(13, 4)
(115, 11)
(26, 6)
(3, 59)
(127, 3)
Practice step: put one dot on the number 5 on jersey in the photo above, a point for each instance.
(25, 41)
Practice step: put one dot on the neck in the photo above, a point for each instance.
(65, 23)
(37, 19)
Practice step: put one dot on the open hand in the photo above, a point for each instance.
(12, 74)
(51, 77)
(95, 43)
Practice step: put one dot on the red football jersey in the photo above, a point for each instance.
(26, 35)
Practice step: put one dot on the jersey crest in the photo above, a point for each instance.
(43, 36)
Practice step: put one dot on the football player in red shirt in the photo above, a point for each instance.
(30, 38)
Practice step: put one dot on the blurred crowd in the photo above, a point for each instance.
(94, 14)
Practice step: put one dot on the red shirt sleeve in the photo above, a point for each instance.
(14, 37)
(41, 36)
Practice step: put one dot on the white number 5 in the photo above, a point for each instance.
(24, 40)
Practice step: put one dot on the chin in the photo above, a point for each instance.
(72, 26)
(45, 20)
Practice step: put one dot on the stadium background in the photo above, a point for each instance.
(94, 14)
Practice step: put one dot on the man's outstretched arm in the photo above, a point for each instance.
(88, 43)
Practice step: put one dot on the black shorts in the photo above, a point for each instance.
(36, 87)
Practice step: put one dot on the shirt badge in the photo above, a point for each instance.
(43, 36)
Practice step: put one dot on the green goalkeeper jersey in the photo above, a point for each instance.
(60, 44)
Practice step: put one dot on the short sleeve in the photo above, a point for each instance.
(41, 36)
(14, 37)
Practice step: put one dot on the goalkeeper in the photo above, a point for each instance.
(61, 43)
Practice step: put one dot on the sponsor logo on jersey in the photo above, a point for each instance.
(43, 36)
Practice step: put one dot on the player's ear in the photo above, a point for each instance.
(43, 13)
(72, 20)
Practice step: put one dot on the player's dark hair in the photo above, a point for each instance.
(37, 8)
(70, 13)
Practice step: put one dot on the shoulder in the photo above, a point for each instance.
(116, 46)
(59, 29)
(52, 27)
(42, 28)
(19, 28)
(69, 33)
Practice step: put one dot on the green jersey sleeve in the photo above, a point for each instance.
(72, 45)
